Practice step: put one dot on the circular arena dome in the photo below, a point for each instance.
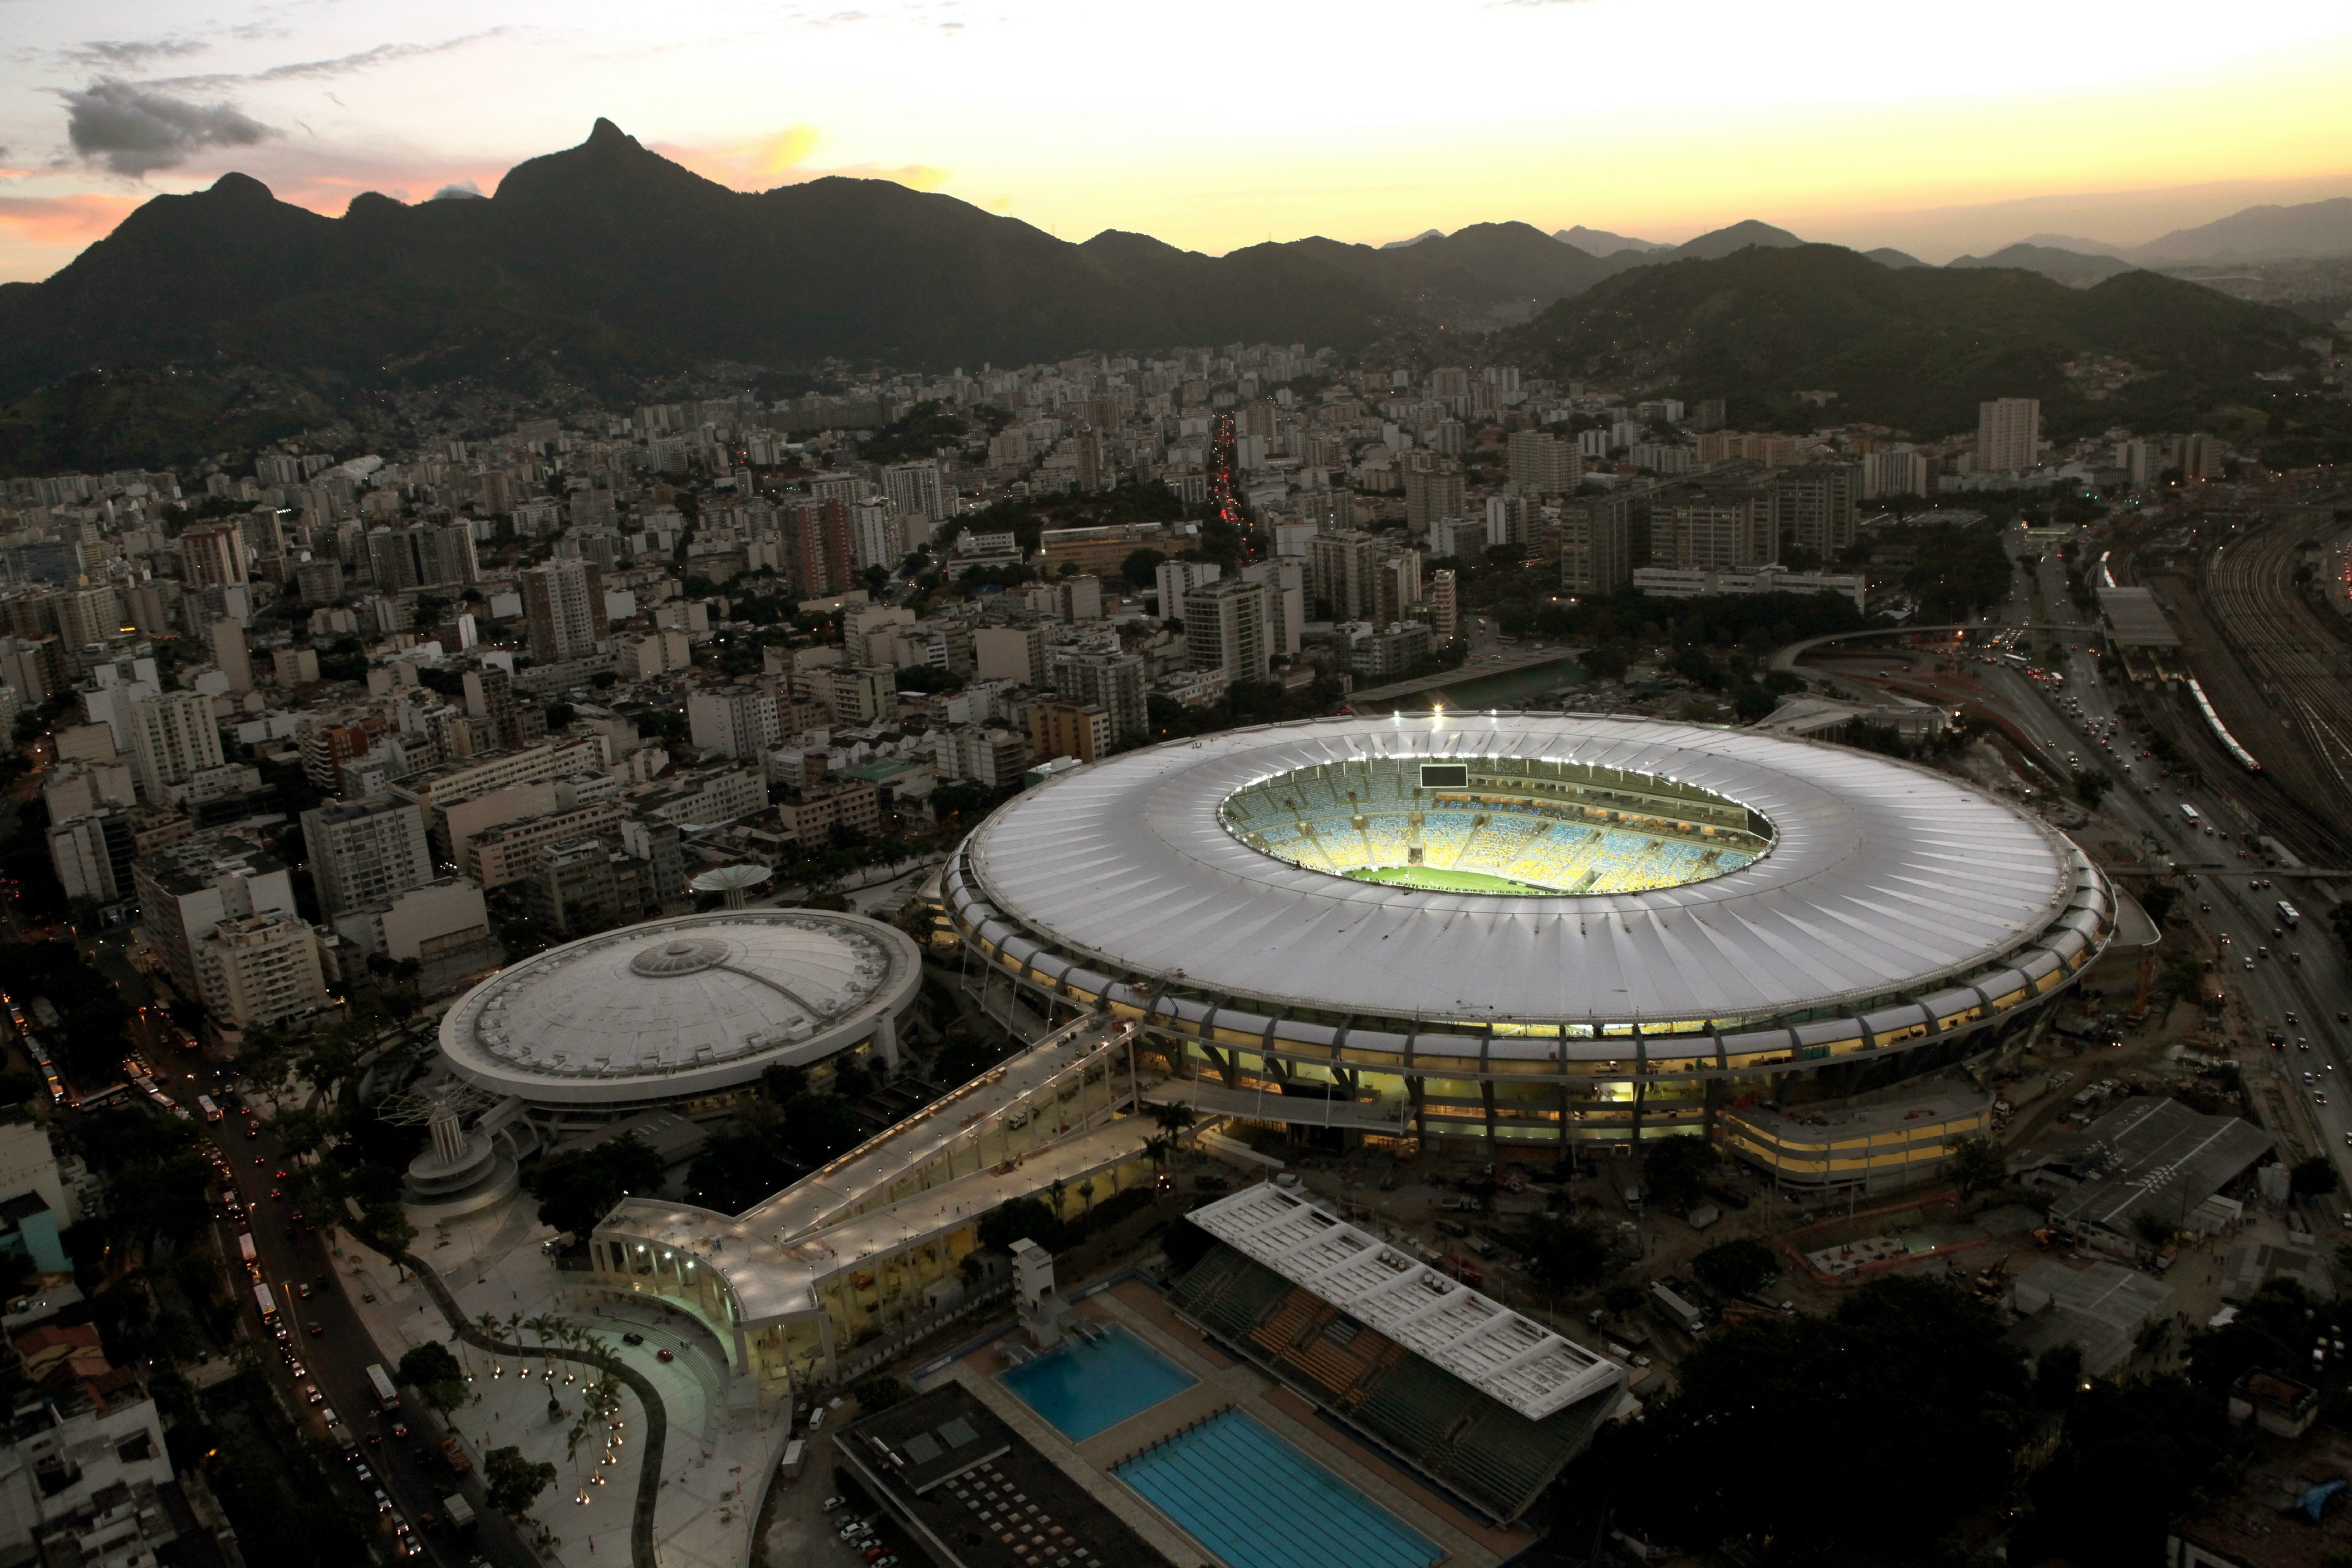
(1498, 900)
(676, 1009)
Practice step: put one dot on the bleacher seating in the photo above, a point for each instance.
(1479, 1448)
(1544, 843)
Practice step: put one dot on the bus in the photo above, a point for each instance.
(112, 1094)
(386, 1397)
(247, 1251)
(204, 1103)
(2196, 819)
(2288, 914)
(266, 1302)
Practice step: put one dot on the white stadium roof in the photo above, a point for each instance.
(1486, 1344)
(1883, 881)
(675, 1007)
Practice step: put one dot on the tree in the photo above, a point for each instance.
(2313, 1177)
(1738, 1268)
(2090, 784)
(2058, 1375)
(2132, 1455)
(1023, 1218)
(1567, 1253)
(1174, 1118)
(878, 1393)
(435, 1374)
(1977, 1165)
(578, 1188)
(1675, 1172)
(512, 1481)
(1713, 1462)
(2153, 1230)
(1141, 569)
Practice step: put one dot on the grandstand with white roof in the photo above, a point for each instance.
(1487, 1403)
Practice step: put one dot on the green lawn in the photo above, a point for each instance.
(1430, 879)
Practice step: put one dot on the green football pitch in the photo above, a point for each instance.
(1430, 879)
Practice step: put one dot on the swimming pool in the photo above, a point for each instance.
(1258, 1502)
(1085, 1386)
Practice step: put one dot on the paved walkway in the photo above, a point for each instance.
(716, 1455)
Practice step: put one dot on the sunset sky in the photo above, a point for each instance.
(1220, 123)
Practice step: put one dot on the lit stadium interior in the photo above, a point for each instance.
(1531, 826)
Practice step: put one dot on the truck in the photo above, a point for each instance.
(1677, 1312)
(453, 1454)
(795, 1453)
(387, 1397)
(457, 1511)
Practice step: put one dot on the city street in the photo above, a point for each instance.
(326, 1333)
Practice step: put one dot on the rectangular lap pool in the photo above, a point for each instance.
(1258, 1502)
(1089, 1386)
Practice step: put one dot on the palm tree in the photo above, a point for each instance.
(1174, 1118)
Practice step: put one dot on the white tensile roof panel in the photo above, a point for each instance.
(1511, 1359)
(1881, 879)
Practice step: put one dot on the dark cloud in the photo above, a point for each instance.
(133, 54)
(341, 65)
(463, 191)
(133, 129)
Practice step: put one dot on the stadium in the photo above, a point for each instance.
(680, 1013)
(1527, 930)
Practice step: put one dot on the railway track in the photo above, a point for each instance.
(2266, 663)
(2302, 666)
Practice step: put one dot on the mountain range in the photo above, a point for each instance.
(216, 313)
(1771, 328)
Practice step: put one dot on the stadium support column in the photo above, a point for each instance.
(1559, 1082)
(1641, 1087)
(1487, 1086)
(1417, 1091)
(1718, 1086)
(885, 1036)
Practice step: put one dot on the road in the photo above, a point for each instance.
(2222, 864)
(2224, 868)
(326, 1332)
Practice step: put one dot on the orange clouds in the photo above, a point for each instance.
(64, 220)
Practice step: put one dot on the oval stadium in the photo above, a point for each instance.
(1525, 928)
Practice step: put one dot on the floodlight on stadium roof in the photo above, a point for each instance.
(674, 1008)
(1290, 883)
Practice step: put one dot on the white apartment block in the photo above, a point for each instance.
(366, 851)
(173, 738)
(260, 968)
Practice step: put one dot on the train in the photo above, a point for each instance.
(2242, 757)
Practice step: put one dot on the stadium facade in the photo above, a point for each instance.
(1525, 929)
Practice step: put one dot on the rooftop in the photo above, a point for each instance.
(980, 1493)
(672, 1005)
(1511, 1359)
(2152, 1154)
